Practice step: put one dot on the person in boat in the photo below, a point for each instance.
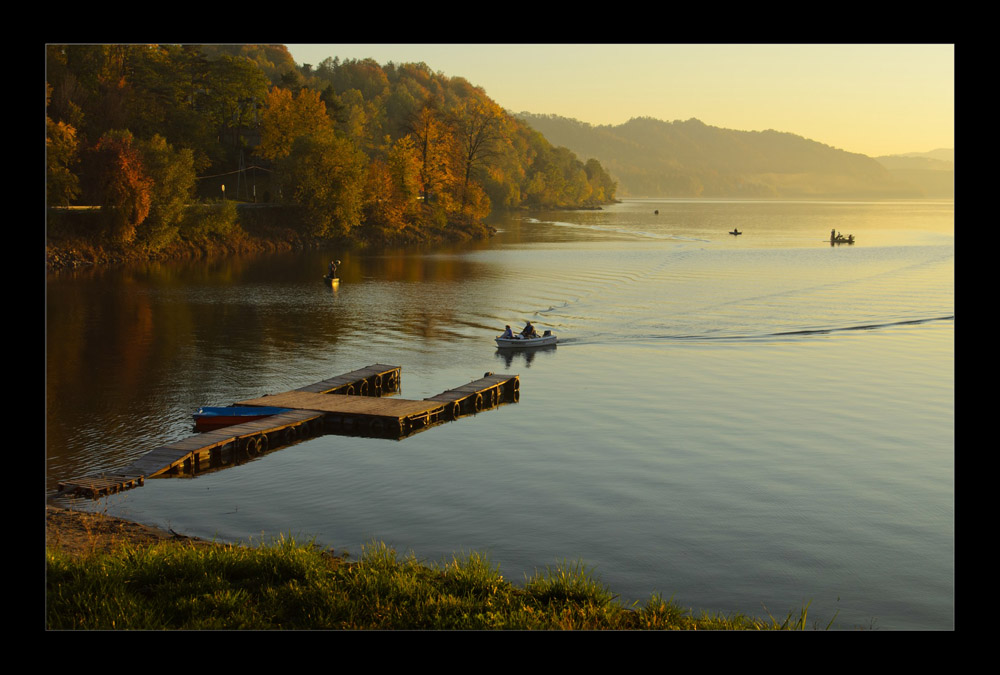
(332, 269)
(833, 234)
(507, 333)
(529, 330)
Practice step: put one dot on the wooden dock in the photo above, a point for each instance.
(349, 404)
(375, 380)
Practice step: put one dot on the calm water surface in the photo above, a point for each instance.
(745, 424)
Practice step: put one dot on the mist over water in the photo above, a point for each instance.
(737, 422)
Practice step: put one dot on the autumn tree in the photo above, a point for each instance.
(404, 165)
(382, 147)
(125, 188)
(384, 211)
(432, 142)
(479, 130)
(392, 187)
(285, 117)
(62, 185)
(61, 146)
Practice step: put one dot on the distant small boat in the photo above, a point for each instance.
(208, 418)
(735, 231)
(841, 239)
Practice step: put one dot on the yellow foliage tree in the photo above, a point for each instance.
(62, 185)
(480, 130)
(285, 118)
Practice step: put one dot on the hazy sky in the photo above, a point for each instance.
(873, 99)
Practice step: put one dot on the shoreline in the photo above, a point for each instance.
(81, 533)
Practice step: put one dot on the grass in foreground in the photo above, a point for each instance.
(284, 585)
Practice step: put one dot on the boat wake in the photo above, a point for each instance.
(870, 326)
(619, 231)
(736, 337)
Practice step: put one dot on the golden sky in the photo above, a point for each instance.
(868, 98)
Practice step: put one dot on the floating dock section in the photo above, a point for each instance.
(351, 404)
(375, 380)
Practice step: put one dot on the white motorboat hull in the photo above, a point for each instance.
(521, 343)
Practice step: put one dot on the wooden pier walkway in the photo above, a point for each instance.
(349, 404)
(375, 380)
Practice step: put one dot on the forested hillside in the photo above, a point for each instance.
(164, 138)
(652, 158)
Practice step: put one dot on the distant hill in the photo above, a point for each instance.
(943, 154)
(933, 172)
(653, 158)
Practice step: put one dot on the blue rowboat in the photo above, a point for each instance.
(209, 418)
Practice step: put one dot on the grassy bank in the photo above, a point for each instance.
(288, 585)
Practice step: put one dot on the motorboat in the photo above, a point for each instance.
(518, 341)
(208, 418)
(735, 231)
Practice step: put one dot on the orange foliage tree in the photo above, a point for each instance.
(125, 188)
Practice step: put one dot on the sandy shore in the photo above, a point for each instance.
(81, 533)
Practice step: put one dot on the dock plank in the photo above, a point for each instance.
(339, 403)
(351, 383)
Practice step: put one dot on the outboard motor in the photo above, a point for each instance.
(547, 333)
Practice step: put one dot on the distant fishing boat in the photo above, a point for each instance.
(735, 231)
(331, 273)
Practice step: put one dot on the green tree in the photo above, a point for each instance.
(602, 186)
(236, 88)
(173, 178)
(326, 176)
(274, 61)
(169, 89)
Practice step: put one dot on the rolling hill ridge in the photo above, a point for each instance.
(653, 158)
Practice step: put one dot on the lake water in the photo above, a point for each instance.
(742, 423)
